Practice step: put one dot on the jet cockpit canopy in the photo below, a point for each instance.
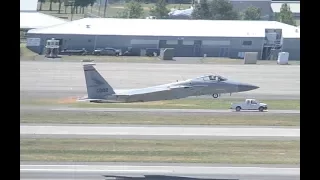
(211, 77)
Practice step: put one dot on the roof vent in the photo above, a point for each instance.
(88, 26)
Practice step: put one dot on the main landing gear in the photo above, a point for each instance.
(215, 95)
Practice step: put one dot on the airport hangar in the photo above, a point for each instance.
(189, 38)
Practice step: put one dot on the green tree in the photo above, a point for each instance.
(41, 2)
(82, 4)
(215, 10)
(52, 1)
(285, 15)
(201, 10)
(252, 13)
(160, 10)
(132, 10)
(223, 10)
(59, 9)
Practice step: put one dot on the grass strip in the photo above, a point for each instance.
(69, 117)
(184, 151)
(169, 104)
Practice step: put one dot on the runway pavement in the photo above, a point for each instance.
(158, 132)
(152, 110)
(96, 171)
(61, 79)
(171, 110)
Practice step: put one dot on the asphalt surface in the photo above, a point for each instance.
(171, 110)
(159, 132)
(84, 170)
(153, 110)
(64, 79)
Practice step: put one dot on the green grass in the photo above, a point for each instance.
(65, 117)
(169, 104)
(184, 151)
(26, 53)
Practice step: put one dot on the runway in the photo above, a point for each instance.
(63, 79)
(158, 132)
(171, 110)
(96, 171)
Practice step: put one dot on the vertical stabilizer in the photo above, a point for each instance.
(97, 86)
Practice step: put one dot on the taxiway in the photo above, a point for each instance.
(96, 171)
(158, 132)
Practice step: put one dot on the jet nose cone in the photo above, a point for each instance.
(246, 87)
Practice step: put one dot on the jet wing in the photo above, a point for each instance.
(148, 90)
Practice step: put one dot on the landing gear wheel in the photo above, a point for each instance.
(238, 108)
(215, 95)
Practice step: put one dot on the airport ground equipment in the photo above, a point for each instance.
(249, 104)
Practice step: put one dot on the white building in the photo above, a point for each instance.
(187, 37)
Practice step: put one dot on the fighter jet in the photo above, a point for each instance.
(100, 91)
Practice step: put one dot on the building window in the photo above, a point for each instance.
(172, 42)
(144, 42)
(215, 43)
(186, 42)
(247, 43)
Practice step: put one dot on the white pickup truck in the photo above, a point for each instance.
(249, 104)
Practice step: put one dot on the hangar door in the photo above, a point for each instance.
(141, 43)
(216, 48)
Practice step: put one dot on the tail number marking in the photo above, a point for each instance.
(102, 90)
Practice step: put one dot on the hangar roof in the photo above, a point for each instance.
(28, 5)
(166, 27)
(32, 20)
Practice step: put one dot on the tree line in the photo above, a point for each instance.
(77, 4)
(206, 10)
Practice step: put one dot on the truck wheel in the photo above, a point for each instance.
(238, 108)
(261, 109)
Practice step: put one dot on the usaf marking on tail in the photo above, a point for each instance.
(100, 91)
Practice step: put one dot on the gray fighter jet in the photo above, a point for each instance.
(99, 90)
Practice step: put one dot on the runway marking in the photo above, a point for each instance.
(159, 131)
(162, 169)
(92, 170)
